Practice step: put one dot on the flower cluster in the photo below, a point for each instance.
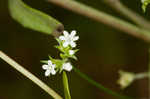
(66, 46)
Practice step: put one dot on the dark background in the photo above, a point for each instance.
(103, 52)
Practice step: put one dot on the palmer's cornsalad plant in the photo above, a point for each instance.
(66, 45)
(67, 42)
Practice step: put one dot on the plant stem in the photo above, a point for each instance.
(101, 87)
(104, 18)
(29, 75)
(118, 6)
(66, 86)
(142, 75)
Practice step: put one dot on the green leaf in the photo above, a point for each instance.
(58, 62)
(63, 56)
(34, 19)
(74, 57)
(44, 61)
(66, 87)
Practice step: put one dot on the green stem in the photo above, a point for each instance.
(142, 75)
(99, 86)
(29, 75)
(66, 86)
(105, 18)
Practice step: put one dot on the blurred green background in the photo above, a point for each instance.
(103, 52)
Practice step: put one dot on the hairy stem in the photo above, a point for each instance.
(29, 75)
(100, 16)
(133, 16)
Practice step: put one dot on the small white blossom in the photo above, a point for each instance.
(69, 39)
(71, 52)
(126, 79)
(50, 68)
(67, 66)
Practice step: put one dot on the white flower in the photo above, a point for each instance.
(126, 79)
(50, 68)
(67, 66)
(71, 52)
(69, 39)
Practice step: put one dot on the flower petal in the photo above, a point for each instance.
(53, 72)
(73, 44)
(49, 62)
(53, 66)
(65, 33)
(75, 38)
(62, 38)
(45, 67)
(65, 44)
(71, 52)
(47, 73)
(73, 33)
(67, 66)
